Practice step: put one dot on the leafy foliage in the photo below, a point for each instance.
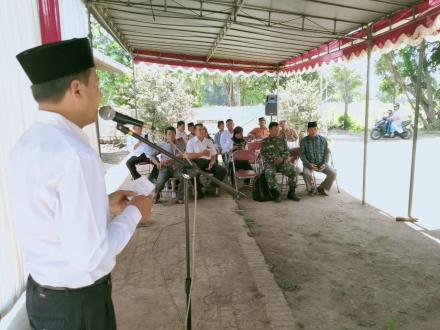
(399, 70)
(299, 101)
(118, 88)
(345, 84)
(163, 97)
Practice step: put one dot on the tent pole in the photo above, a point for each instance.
(89, 21)
(367, 109)
(416, 129)
(278, 86)
(134, 88)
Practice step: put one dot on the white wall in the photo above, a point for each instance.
(74, 24)
(19, 30)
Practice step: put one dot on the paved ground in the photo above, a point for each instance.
(149, 278)
(389, 163)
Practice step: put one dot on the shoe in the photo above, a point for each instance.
(157, 198)
(322, 191)
(200, 194)
(312, 192)
(276, 195)
(291, 195)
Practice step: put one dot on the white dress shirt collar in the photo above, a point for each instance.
(56, 119)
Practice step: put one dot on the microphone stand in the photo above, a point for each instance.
(189, 170)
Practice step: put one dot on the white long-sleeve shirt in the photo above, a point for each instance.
(225, 140)
(142, 148)
(60, 206)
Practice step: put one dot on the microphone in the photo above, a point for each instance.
(108, 113)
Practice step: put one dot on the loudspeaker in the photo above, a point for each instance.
(271, 105)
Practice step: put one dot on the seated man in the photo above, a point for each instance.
(389, 121)
(226, 137)
(276, 158)
(168, 168)
(314, 155)
(202, 151)
(260, 132)
(191, 131)
(289, 134)
(180, 133)
(140, 152)
(221, 129)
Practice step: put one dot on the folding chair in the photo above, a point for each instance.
(245, 155)
(255, 147)
(333, 166)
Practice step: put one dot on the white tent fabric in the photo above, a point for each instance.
(17, 111)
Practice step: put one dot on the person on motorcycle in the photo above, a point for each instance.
(389, 121)
(396, 121)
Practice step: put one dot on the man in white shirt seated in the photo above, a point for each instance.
(202, 151)
(140, 152)
(180, 132)
(191, 130)
(168, 168)
(62, 213)
(227, 135)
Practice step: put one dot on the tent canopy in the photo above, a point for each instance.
(259, 35)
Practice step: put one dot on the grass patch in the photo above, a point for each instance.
(299, 325)
(249, 221)
(286, 285)
(392, 323)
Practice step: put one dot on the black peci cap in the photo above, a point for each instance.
(312, 124)
(56, 60)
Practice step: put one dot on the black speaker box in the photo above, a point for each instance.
(271, 105)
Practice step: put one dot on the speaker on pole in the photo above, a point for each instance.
(271, 105)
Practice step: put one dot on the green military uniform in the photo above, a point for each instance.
(271, 148)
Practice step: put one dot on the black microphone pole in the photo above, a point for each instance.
(189, 170)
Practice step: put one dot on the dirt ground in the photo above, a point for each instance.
(346, 266)
(148, 281)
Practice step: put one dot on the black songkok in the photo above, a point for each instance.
(56, 60)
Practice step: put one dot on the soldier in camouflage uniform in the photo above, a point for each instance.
(276, 158)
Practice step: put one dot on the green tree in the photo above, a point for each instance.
(299, 101)
(345, 87)
(398, 70)
(117, 89)
(164, 97)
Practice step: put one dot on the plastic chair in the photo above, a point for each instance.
(245, 155)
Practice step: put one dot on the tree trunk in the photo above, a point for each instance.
(346, 115)
(346, 101)
(410, 90)
(238, 92)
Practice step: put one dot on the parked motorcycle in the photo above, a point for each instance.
(380, 130)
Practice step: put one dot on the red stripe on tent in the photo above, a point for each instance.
(200, 66)
(50, 27)
(311, 59)
(184, 57)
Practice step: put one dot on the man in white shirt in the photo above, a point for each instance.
(60, 205)
(227, 135)
(202, 151)
(140, 152)
(180, 132)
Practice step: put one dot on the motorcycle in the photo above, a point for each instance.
(380, 130)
